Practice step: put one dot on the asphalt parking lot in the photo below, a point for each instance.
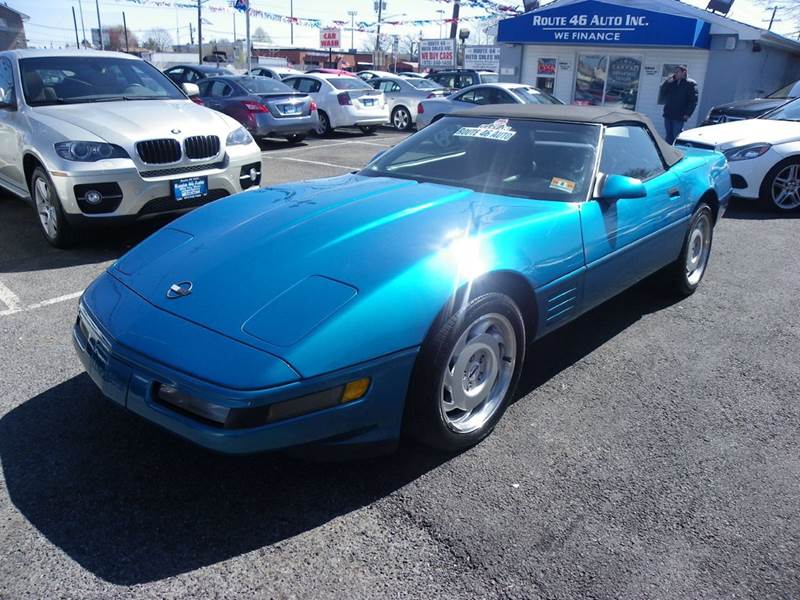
(653, 452)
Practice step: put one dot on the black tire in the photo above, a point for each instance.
(59, 233)
(368, 129)
(425, 416)
(677, 279)
(324, 128)
(767, 186)
(295, 138)
(401, 119)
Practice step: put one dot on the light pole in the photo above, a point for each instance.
(441, 20)
(291, 22)
(352, 14)
(99, 25)
(378, 37)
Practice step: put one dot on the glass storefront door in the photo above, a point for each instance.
(607, 80)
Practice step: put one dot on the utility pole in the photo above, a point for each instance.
(191, 34)
(234, 27)
(125, 27)
(772, 18)
(99, 25)
(75, 23)
(199, 32)
(83, 27)
(291, 21)
(454, 24)
(247, 26)
(378, 37)
(441, 20)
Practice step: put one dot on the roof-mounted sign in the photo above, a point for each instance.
(593, 22)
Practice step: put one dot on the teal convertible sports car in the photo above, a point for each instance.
(400, 298)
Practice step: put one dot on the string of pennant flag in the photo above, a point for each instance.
(362, 26)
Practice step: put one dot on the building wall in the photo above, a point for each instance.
(653, 60)
(741, 73)
(12, 31)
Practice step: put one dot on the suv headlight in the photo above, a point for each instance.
(89, 151)
(746, 152)
(239, 137)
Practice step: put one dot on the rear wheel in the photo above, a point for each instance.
(780, 189)
(368, 129)
(52, 222)
(466, 373)
(295, 138)
(324, 124)
(685, 274)
(401, 118)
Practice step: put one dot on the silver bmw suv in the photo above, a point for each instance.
(92, 137)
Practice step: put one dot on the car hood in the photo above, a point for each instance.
(749, 108)
(267, 267)
(119, 122)
(740, 133)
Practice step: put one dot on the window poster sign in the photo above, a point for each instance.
(546, 66)
(593, 22)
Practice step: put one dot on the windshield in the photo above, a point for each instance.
(787, 112)
(533, 96)
(489, 77)
(264, 86)
(76, 79)
(785, 92)
(511, 157)
(349, 83)
(423, 84)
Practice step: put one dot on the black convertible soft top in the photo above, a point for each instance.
(578, 114)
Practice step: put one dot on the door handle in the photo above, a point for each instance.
(675, 193)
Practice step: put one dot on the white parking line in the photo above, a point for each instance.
(18, 308)
(9, 298)
(317, 162)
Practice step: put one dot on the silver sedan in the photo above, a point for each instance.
(403, 96)
(430, 110)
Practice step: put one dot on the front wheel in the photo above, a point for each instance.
(466, 373)
(780, 189)
(368, 129)
(685, 274)
(52, 222)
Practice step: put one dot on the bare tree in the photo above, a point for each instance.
(786, 16)
(158, 39)
(369, 44)
(259, 35)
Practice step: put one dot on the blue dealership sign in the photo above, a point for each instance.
(593, 22)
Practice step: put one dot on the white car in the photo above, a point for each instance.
(97, 137)
(342, 101)
(763, 155)
(370, 75)
(279, 73)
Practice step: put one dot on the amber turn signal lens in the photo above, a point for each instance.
(355, 389)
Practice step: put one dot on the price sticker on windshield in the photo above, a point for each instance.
(499, 130)
(565, 185)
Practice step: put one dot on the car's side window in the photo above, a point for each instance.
(468, 79)
(630, 150)
(6, 82)
(175, 74)
(467, 97)
(220, 89)
(309, 86)
(204, 87)
(501, 97)
(395, 87)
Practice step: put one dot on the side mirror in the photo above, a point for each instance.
(616, 187)
(190, 89)
(7, 100)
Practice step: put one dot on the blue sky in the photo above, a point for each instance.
(51, 20)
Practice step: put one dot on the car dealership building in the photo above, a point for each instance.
(617, 53)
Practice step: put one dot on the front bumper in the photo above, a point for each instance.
(748, 175)
(129, 378)
(150, 194)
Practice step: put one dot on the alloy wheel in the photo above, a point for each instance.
(478, 373)
(785, 188)
(401, 119)
(699, 249)
(45, 207)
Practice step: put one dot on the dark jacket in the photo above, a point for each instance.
(679, 97)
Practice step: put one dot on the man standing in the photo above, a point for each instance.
(679, 95)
